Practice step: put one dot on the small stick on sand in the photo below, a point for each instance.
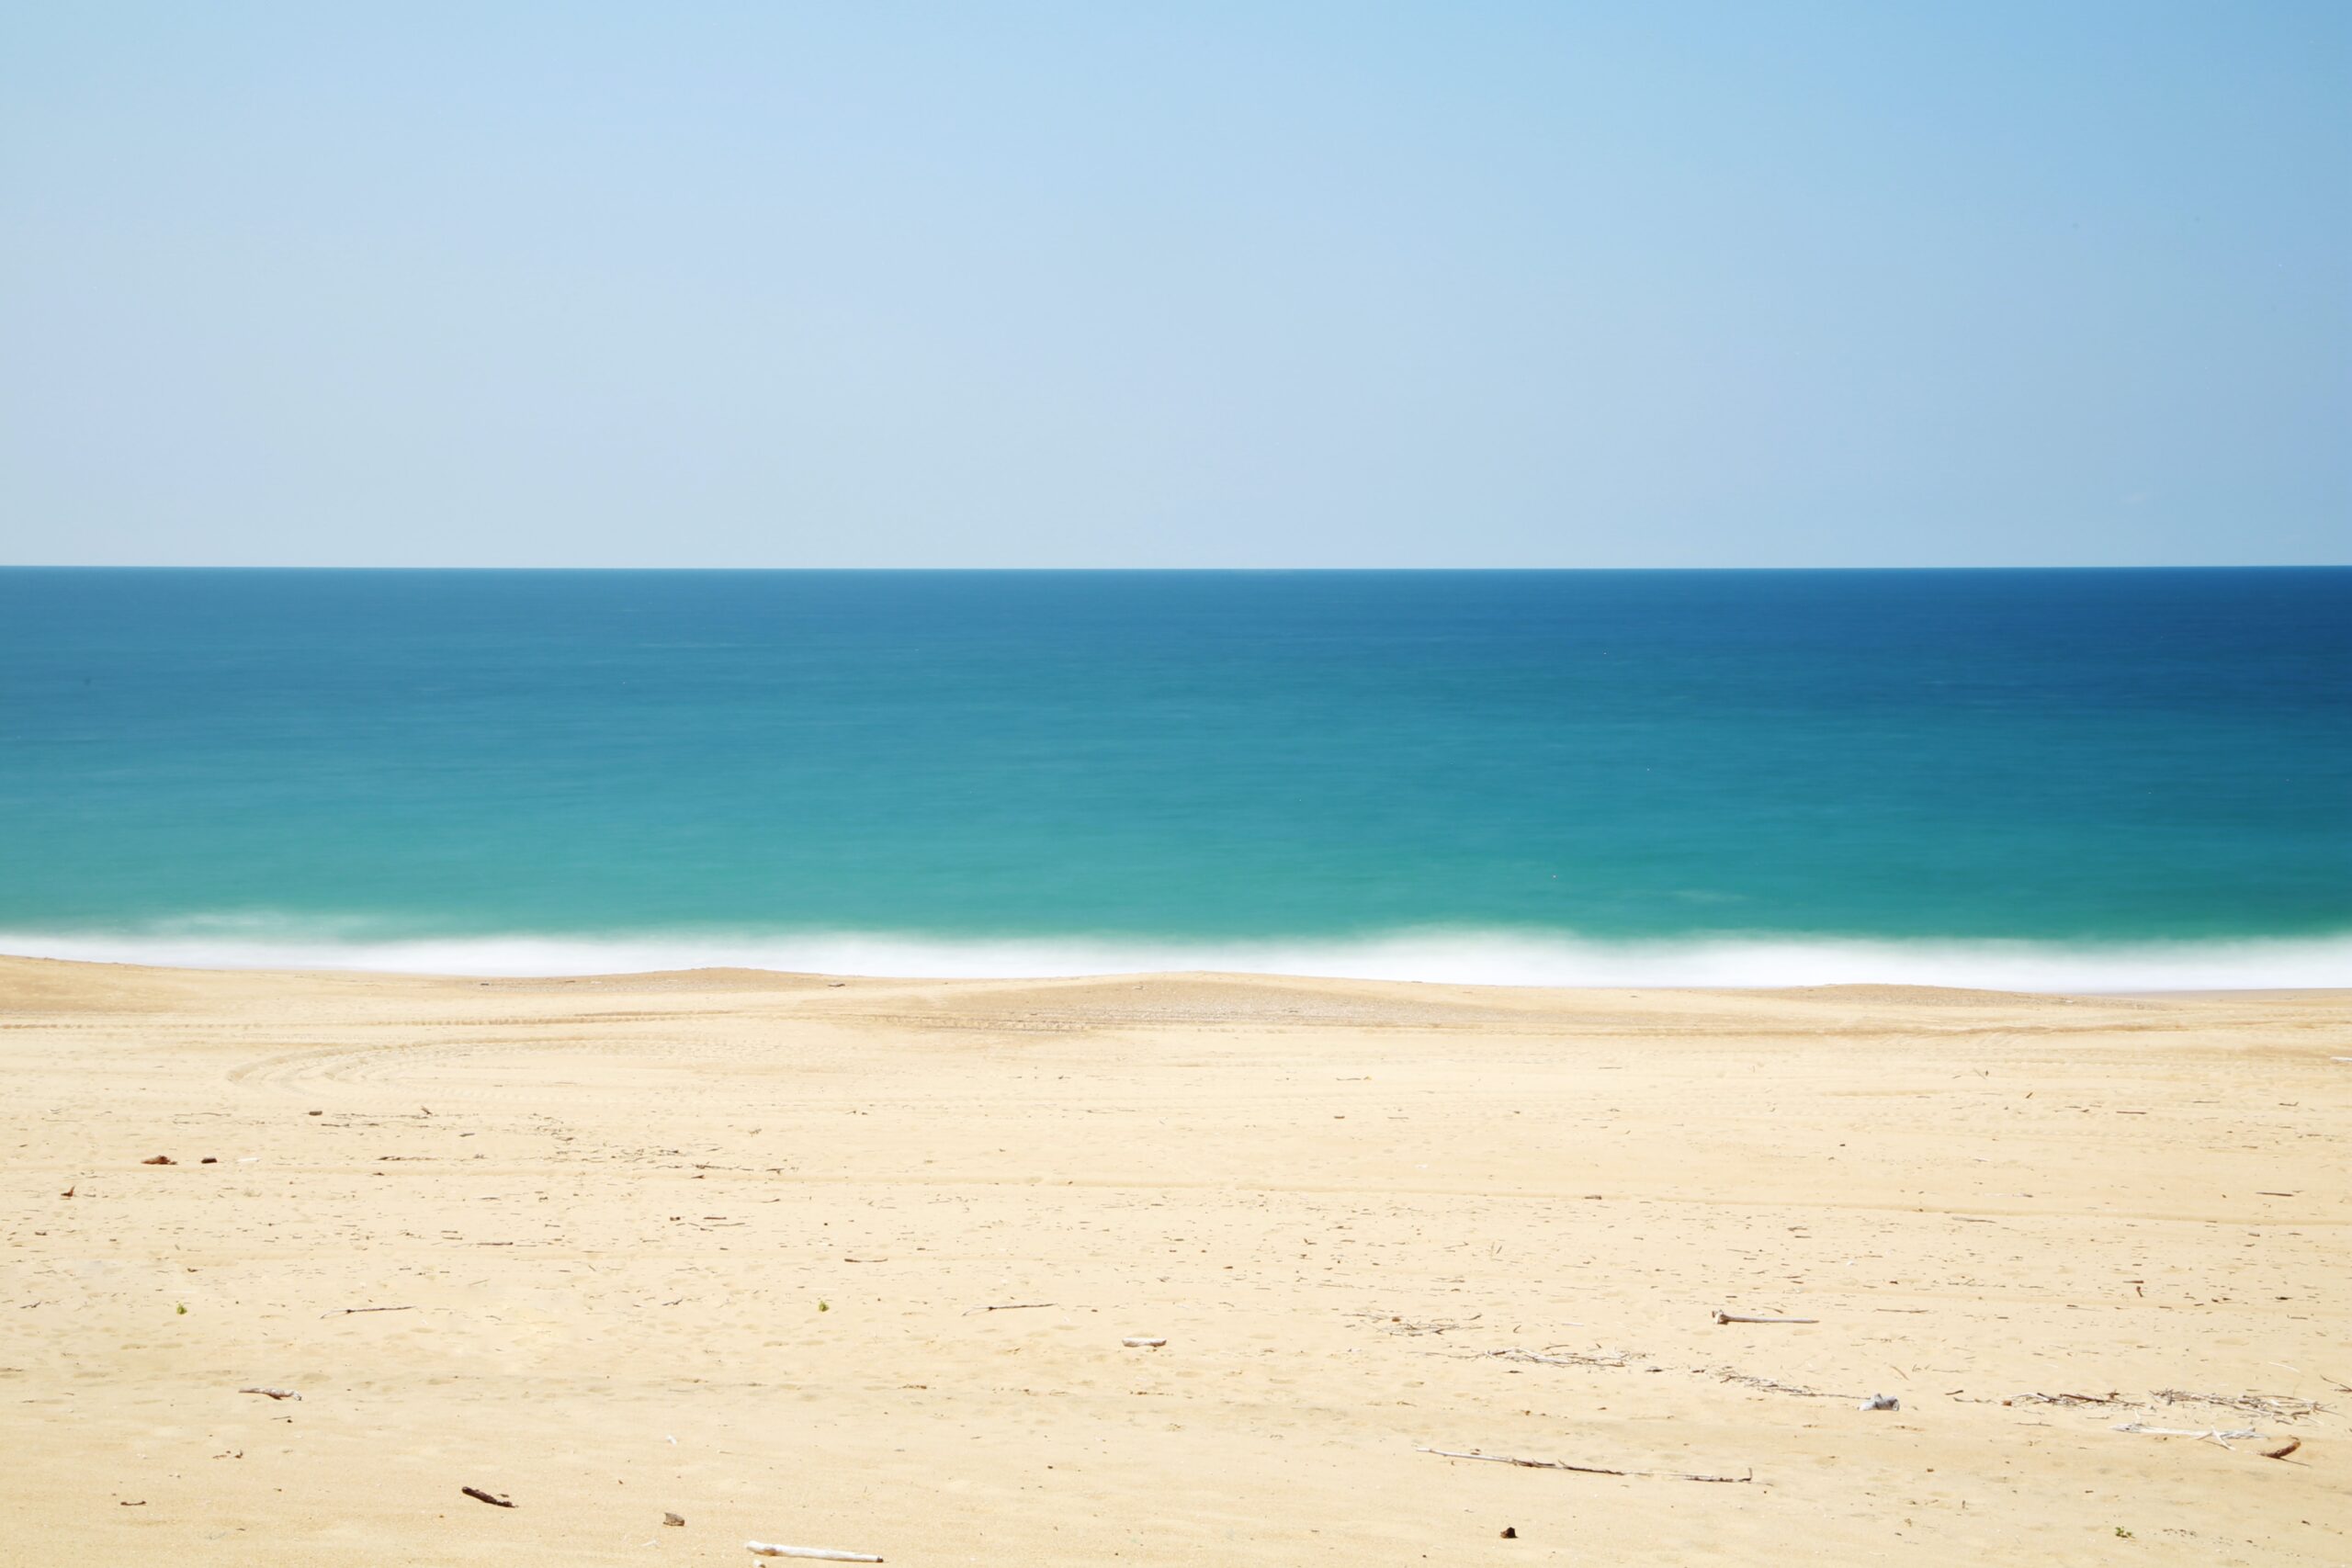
(1007, 1307)
(345, 1312)
(2283, 1449)
(1587, 1468)
(480, 1495)
(1735, 1317)
(1137, 1342)
(762, 1549)
(273, 1392)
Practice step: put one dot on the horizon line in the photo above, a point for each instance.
(1172, 570)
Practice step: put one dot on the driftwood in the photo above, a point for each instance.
(2283, 1449)
(345, 1312)
(1137, 1342)
(1735, 1317)
(1587, 1468)
(762, 1549)
(1007, 1307)
(272, 1393)
(480, 1495)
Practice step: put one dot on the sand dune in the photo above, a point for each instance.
(714, 1243)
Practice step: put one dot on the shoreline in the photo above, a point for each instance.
(746, 974)
(1502, 958)
(720, 1242)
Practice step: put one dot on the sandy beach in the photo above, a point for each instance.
(723, 1246)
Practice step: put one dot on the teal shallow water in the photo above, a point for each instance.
(2062, 777)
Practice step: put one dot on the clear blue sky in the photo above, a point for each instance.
(1199, 285)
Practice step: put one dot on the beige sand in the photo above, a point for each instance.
(712, 1244)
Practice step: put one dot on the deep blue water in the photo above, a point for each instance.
(1508, 775)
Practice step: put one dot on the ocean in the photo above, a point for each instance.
(2091, 779)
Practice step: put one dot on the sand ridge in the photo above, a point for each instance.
(713, 1243)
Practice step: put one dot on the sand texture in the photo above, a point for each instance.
(713, 1245)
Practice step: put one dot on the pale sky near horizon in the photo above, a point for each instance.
(1223, 285)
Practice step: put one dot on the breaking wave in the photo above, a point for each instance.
(1452, 957)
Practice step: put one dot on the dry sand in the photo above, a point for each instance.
(712, 1244)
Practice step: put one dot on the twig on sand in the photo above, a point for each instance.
(481, 1497)
(272, 1393)
(2211, 1435)
(1586, 1468)
(1768, 1385)
(762, 1549)
(2283, 1449)
(346, 1312)
(1735, 1317)
(1004, 1306)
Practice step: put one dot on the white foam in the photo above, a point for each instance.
(1461, 957)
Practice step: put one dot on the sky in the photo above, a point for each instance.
(1264, 285)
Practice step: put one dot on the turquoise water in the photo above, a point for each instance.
(2078, 777)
